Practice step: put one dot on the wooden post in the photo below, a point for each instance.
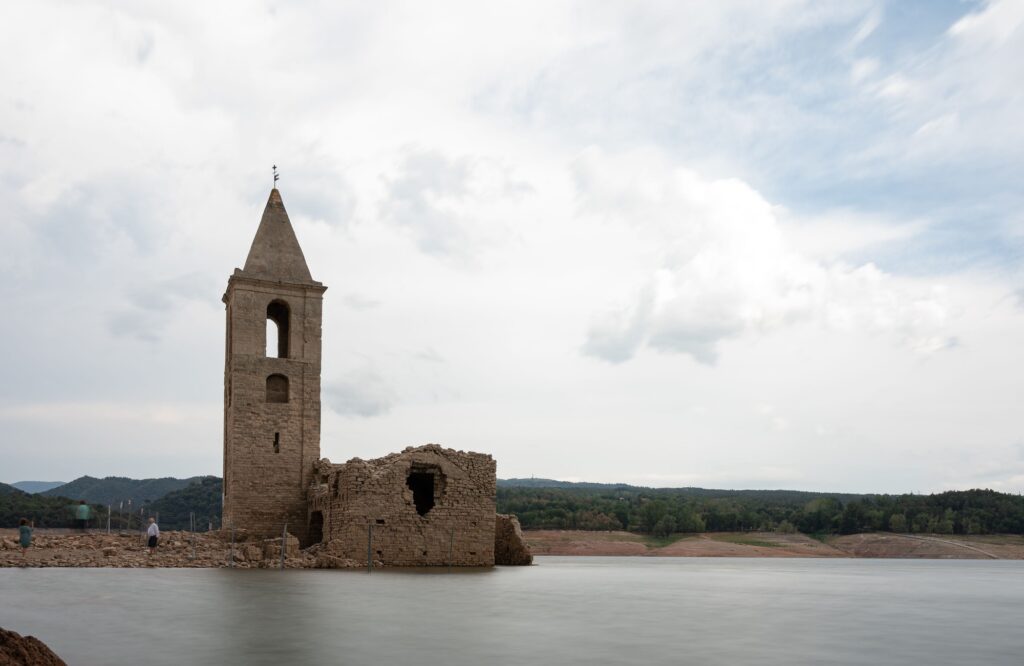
(284, 542)
(451, 548)
(369, 548)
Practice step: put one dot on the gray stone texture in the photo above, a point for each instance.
(425, 506)
(509, 545)
(275, 253)
(270, 447)
(361, 495)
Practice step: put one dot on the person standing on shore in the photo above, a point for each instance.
(82, 515)
(153, 532)
(25, 537)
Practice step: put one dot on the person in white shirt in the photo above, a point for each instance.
(153, 532)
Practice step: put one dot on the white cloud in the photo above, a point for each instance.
(479, 189)
(453, 207)
(721, 267)
(360, 393)
(958, 98)
(108, 413)
(838, 236)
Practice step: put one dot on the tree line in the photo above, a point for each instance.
(42, 510)
(654, 511)
(202, 496)
(665, 511)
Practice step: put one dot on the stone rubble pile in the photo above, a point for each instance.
(176, 550)
(510, 546)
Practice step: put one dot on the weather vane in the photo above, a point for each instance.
(276, 176)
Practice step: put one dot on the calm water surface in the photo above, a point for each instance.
(561, 611)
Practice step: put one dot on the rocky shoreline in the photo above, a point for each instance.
(176, 550)
(58, 548)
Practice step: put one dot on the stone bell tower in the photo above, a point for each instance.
(271, 382)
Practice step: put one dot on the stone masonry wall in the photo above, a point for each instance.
(458, 529)
(270, 448)
(509, 545)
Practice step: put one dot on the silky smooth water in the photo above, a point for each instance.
(562, 610)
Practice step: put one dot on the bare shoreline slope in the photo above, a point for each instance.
(772, 544)
(59, 548)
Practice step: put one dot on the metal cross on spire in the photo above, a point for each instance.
(276, 176)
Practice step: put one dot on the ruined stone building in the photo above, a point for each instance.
(425, 506)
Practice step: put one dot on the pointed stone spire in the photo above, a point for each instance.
(275, 253)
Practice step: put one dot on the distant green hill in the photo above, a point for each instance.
(787, 495)
(43, 511)
(37, 486)
(202, 497)
(551, 504)
(116, 489)
(663, 511)
(553, 483)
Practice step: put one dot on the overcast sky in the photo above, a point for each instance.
(720, 244)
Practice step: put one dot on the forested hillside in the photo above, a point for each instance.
(202, 496)
(43, 511)
(37, 486)
(117, 489)
(663, 511)
(547, 504)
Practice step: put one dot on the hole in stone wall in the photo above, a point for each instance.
(380, 521)
(316, 527)
(277, 442)
(422, 486)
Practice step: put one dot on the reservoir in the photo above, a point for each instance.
(563, 610)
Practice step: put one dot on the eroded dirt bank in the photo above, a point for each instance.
(177, 549)
(771, 544)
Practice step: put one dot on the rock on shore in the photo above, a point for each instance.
(509, 545)
(18, 650)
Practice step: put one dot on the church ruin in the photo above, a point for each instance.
(425, 506)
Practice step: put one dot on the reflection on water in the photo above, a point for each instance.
(561, 611)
